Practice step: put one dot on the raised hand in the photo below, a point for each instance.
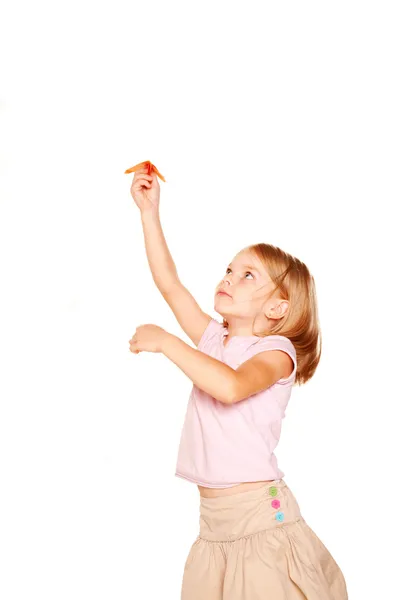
(145, 190)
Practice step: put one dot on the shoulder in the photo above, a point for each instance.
(212, 332)
(277, 345)
(276, 341)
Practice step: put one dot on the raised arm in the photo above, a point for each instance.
(161, 264)
(185, 308)
(145, 191)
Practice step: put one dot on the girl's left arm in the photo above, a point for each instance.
(209, 374)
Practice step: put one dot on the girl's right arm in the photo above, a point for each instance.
(185, 308)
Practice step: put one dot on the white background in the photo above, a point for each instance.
(271, 121)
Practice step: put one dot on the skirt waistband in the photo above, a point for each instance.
(248, 496)
(228, 518)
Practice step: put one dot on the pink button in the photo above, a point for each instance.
(275, 504)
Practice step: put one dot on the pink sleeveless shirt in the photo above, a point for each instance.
(223, 445)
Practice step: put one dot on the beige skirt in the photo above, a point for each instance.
(255, 545)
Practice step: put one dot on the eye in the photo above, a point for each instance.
(247, 272)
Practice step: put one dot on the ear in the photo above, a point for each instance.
(278, 311)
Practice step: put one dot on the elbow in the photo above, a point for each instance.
(224, 398)
(231, 395)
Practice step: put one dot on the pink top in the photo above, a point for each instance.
(223, 445)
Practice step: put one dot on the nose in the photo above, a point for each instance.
(227, 279)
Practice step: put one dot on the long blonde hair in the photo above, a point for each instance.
(300, 324)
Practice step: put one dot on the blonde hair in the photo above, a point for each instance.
(300, 324)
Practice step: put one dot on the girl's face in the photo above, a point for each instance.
(247, 283)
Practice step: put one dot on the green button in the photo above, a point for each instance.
(273, 491)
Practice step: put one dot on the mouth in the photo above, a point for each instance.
(224, 294)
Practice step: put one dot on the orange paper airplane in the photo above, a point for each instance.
(149, 166)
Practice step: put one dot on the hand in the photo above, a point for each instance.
(145, 190)
(148, 338)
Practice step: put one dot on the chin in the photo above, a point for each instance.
(216, 304)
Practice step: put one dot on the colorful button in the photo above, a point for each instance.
(279, 516)
(275, 503)
(273, 491)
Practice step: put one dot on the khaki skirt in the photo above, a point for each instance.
(255, 545)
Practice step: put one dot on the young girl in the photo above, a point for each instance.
(253, 542)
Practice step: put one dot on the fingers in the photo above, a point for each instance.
(131, 346)
(142, 180)
(142, 176)
(141, 171)
(143, 183)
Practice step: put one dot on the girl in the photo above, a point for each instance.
(253, 542)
